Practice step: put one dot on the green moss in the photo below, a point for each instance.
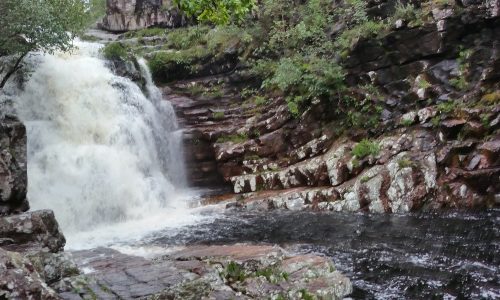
(408, 12)
(259, 100)
(146, 32)
(406, 122)
(405, 163)
(214, 92)
(233, 138)
(460, 83)
(272, 274)
(234, 272)
(218, 115)
(491, 98)
(161, 62)
(447, 107)
(114, 50)
(365, 179)
(364, 30)
(422, 83)
(305, 295)
(365, 148)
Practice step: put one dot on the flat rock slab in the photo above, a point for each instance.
(205, 272)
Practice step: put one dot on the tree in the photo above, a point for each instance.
(37, 25)
(217, 11)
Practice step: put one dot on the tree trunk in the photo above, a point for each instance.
(12, 70)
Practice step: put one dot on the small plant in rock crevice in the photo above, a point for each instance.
(366, 148)
(405, 163)
(234, 138)
(218, 115)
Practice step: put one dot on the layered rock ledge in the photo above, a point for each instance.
(206, 272)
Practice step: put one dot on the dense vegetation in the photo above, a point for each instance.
(217, 11)
(292, 50)
(288, 47)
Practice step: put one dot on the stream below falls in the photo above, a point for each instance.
(416, 256)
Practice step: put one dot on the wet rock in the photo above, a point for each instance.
(13, 172)
(20, 280)
(32, 231)
(211, 272)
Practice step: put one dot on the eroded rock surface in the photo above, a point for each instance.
(207, 272)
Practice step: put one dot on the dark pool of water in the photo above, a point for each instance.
(426, 256)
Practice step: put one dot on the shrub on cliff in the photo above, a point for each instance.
(217, 11)
(114, 51)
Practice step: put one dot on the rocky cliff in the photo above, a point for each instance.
(124, 15)
(421, 132)
(13, 172)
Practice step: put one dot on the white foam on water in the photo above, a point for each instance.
(103, 155)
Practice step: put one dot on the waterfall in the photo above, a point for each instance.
(100, 151)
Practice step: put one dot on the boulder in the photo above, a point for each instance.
(20, 280)
(31, 231)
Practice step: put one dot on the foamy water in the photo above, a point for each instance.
(106, 157)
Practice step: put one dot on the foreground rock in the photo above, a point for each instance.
(207, 272)
(20, 280)
(31, 231)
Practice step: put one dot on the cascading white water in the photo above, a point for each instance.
(100, 152)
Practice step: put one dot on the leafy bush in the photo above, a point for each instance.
(446, 107)
(305, 79)
(405, 163)
(185, 38)
(217, 11)
(414, 16)
(234, 272)
(114, 50)
(222, 37)
(259, 100)
(364, 30)
(365, 148)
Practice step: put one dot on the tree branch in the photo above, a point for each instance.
(13, 70)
